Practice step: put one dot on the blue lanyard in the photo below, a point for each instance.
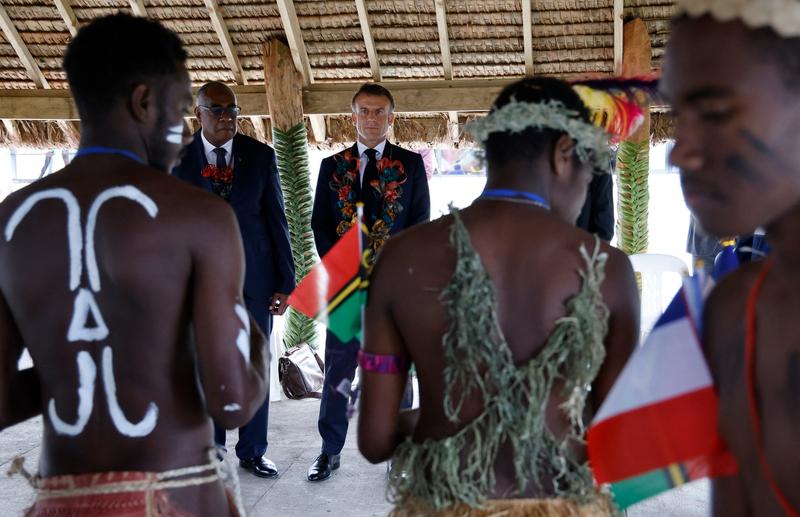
(502, 193)
(84, 151)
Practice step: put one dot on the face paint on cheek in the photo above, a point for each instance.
(742, 168)
(175, 134)
(765, 151)
(232, 408)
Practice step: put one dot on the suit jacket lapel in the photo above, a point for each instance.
(198, 159)
(240, 169)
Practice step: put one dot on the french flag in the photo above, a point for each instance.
(657, 428)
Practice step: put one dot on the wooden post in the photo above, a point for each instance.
(633, 155)
(636, 62)
(284, 84)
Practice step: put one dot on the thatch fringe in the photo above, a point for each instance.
(40, 134)
(661, 127)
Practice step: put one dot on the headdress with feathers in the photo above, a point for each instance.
(616, 108)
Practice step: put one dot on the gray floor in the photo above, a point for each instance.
(356, 489)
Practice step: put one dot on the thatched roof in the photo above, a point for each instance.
(484, 39)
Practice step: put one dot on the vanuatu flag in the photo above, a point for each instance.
(334, 291)
(657, 428)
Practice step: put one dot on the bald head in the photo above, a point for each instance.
(214, 88)
(217, 111)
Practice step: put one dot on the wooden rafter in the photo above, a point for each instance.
(294, 36)
(137, 6)
(527, 36)
(225, 41)
(67, 15)
(318, 99)
(444, 39)
(21, 49)
(372, 54)
(619, 6)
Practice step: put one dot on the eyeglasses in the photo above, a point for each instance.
(232, 110)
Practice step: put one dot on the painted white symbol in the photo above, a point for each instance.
(243, 339)
(175, 134)
(232, 408)
(85, 308)
(123, 425)
(87, 373)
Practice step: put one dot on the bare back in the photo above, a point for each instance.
(533, 261)
(104, 266)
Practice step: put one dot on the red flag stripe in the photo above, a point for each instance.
(651, 437)
(341, 265)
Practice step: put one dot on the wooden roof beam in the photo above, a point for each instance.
(137, 6)
(444, 39)
(372, 54)
(225, 40)
(527, 36)
(294, 36)
(13, 37)
(462, 95)
(619, 7)
(68, 16)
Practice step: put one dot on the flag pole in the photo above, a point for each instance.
(361, 258)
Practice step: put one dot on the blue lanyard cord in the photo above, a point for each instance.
(84, 151)
(515, 194)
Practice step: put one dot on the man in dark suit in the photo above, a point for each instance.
(243, 171)
(391, 183)
(597, 214)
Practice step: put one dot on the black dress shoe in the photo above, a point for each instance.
(261, 467)
(321, 469)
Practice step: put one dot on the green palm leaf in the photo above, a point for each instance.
(291, 149)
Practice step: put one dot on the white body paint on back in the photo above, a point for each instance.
(175, 134)
(123, 425)
(85, 306)
(243, 339)
(74, 236)
(87, 372)
(129, 192)
(79, 329)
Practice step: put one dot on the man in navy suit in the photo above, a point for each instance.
(243, 171)
(392, 184)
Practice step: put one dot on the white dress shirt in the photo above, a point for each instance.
(363, 158)
(211, 156)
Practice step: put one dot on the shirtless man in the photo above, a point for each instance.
(531, 279)
(734, 90)
(125, 285)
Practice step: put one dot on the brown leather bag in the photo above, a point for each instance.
(301, 372)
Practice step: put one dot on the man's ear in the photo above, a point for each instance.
(197, 114)
(561, 158)
(353, 118)
(142, 102)
(391, 118)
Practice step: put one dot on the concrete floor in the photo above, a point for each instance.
(357, 489)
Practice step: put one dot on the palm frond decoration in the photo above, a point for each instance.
(291, 149)
(633, 170)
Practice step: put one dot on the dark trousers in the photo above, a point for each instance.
(253, 435)
(341, 360)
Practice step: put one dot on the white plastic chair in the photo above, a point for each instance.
(653, 267)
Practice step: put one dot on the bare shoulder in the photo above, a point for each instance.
(410, 253)
(723, 319)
